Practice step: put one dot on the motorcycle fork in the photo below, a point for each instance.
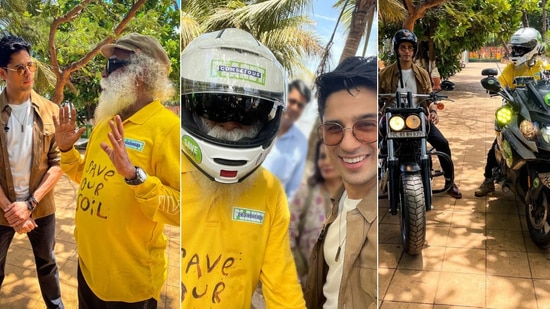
(425, 168)
(393, 177)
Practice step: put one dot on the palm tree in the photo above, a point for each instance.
(362, 13)
(278, 24)
(391, 12)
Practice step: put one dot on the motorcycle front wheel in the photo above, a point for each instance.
(538, 221)
(413, 213)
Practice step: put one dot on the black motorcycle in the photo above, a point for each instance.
(523, 147)
(405, 162)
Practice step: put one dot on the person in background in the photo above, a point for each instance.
(343, 264)
(30, 166)
(128, 178)
(287, 158)
(526, 45)
(309, 208)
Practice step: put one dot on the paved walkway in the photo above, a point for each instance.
(478, 253)
(20, 289)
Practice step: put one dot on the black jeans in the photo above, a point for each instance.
(88, 300)
(491, 161)
(440, 143)
(42, 241)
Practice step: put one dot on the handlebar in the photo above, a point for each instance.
(434, 96)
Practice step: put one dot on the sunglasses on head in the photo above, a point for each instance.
(21, 68)
(114, 64)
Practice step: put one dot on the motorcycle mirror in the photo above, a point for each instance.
(447, 85)
(489, 72)
(491, 83)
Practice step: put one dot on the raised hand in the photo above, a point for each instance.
(117, 153)
(65, 128)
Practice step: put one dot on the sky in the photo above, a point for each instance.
(325, 17)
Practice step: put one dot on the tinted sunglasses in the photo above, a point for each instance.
(114, 64)
(21, 68)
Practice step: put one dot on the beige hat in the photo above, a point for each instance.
(136, 42)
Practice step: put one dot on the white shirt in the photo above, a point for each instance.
(409, 83)
(336, 238)
(19, 133)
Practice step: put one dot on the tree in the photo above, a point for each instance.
(67, 35)
(454, 26)
(363, 13)
(278, 24)
(418, 10)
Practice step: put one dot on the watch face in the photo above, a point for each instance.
(140, 177)
(140, 174)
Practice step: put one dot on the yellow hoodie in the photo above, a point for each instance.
(227, 248)
(119, 228)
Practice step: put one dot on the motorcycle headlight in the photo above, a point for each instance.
(504, 115)
(397, 123)
(413, 122)
(545, 132)
(527, 128)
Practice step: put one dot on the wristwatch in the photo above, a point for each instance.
(140, 177)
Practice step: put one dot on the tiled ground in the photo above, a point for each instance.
(20, 289)
(478, 253)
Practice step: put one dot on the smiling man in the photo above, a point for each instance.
(343, 264)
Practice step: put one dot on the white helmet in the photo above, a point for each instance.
(526, 44)
(229, 76)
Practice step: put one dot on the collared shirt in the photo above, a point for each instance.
(287, 159)
(45, 152)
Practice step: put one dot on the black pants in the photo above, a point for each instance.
(88, 300)
(440, 143)
(491, 161)
(42, 241)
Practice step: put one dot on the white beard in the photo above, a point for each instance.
(234, 135)
(119, 93)
(228, 193)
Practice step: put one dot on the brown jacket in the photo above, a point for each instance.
(388, 78)
(359, 277)
(44, 149)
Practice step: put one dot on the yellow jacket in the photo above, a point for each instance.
(226, 248)
(506, 78)
(119, 228)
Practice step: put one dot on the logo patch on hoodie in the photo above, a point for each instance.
(248, 215)
(134, 144)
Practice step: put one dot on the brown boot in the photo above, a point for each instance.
(454, 191)
(485, 188)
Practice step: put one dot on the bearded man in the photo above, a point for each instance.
(129, 180)
(234, 230)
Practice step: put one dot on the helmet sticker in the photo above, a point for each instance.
(237, 70)
(191, 147)
(547, 99)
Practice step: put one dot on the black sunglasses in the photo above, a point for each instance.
(114, 64)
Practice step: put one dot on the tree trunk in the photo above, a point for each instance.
(544, 20)
(417, 12)
(357, 27)
(63, 75)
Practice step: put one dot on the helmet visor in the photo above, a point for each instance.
(518, 51)
(223, 108)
